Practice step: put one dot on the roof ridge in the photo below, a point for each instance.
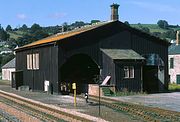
(9, 64)
(64, 35)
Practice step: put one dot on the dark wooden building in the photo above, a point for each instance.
(135, 60)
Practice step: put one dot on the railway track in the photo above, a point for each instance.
(145, 113)
(45, 112)
(42, 116)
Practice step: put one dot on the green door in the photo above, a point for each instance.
(178, 79)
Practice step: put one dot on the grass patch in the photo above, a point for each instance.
(126, 93)
(5, 82)
(174, 87)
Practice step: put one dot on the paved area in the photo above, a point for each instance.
(169, 101)
(66, 101)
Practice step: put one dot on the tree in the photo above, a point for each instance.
(95, 21)
(8, 28)
(3, 34)
(78, 24)
(145, 29)
(12, 43)
(157, 34)
(24, 27)
(127, 23)
(6, 58)
(35, 27)
(163, 24)
(36, 33)
(64, 27)
(169, 34)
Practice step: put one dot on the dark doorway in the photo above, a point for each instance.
(150, 79)
(17, 79)
(80, 69)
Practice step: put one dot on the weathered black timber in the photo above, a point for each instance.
(132, 84)
(48, 63)
(113, 35)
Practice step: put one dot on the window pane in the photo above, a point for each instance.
(37, 60)
(126, 72)
(27, 61)
(30, 61)
(131, 72)
(171, 63)
(34, 61)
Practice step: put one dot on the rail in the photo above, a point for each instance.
(66, 114)
(140, 111)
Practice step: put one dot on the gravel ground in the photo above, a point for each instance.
(169, 101)
(66, 101)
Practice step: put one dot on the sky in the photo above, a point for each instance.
(56, 12)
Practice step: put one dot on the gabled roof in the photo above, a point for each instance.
(10, 64)
(64, 35)
(122, 54)
(87, 28)
(174, 49)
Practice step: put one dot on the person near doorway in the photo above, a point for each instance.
(86, 97)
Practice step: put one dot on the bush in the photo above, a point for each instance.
(174, 87)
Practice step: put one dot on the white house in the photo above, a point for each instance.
(5, 50)
(174, 61)
(7, 69)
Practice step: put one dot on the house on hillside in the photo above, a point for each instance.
(174, 61)
(7, 70)
(3, 43)
(134, 60)
(5, 50)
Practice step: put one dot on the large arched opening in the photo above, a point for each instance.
(80, 69)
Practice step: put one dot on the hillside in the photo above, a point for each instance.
(155, 27)
(16, 34)
(169, 33)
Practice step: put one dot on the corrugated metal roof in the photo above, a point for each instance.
(122, 54)
(10, 64)
(174, 49)
(64, 35)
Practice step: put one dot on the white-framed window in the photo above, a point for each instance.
(128, 71)
(33, 61)
(29, 61)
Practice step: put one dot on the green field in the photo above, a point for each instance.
(153, 27)
(16, 34)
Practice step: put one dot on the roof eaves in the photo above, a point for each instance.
(61, 36)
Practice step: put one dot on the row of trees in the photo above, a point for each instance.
(3, 34)
(35, 33)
